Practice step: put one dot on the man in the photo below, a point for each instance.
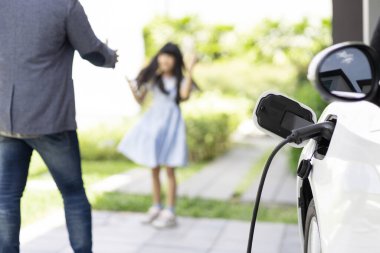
(37, 111)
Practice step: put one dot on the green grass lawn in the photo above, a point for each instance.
(196, 208)
(232, 209)
(38, 203)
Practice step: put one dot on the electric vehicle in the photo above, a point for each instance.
(338, 180)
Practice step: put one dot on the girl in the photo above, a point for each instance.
(159, 139)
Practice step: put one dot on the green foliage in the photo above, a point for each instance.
(273, 55)
(37, 166)
(241, 78)
(190, 33)
(277, 41)
(95, 171)
(100, 143)
(271, 41)
(36, 205)
(208, 135)
(294, 44)
(294, 156)
(210, 120)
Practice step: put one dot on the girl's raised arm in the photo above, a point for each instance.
(187, 85)
(139, 94)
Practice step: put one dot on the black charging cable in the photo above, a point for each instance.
(260, 190)
(324, 130)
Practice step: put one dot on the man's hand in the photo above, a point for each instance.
(116, 53)
(116, 56)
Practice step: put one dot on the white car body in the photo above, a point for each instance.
(345, 184)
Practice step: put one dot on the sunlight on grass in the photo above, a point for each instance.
(94, 171)
(196, 208)
(37, 166)
(37, 204)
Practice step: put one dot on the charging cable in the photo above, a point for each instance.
(324, 130)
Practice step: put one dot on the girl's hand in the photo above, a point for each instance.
(132, 84)
(192, 61)
(139, 94)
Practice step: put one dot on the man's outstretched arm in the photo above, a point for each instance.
(84, 40)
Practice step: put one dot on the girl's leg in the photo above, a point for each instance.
(156, 194)
(167, 217)
(155, 210)
(172, 189)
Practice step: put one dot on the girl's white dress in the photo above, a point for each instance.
(159, 138)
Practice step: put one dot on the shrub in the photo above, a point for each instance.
(210, 120)
(100, 142)
(208, 135)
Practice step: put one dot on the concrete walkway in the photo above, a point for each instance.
(123, 233)
(280, 185)
(219, 179)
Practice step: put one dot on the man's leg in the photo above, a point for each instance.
(14, 164)
(61, 154)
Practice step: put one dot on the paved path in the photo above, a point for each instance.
(280, 185)
(220, 178)
(217, 180)
(123, 233)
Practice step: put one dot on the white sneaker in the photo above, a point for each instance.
(152, 214)
(166, 219)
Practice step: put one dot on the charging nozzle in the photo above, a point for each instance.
(324, 130)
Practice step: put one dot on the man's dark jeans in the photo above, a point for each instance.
(61, 154)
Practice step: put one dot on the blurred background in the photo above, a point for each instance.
(245, 47)
(254, 40)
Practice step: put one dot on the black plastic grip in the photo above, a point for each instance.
(324, 130)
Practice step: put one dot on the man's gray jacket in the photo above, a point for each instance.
(37, 43)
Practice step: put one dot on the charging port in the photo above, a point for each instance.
(323, 144)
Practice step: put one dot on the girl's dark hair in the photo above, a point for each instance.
(150, 72)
